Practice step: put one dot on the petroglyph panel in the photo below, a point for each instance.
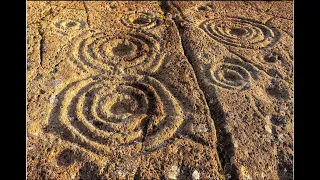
(100, 52)
(243, 62)
(106, 111)
(159, 90)
(141, 20)
(240, 32)
(111, 95)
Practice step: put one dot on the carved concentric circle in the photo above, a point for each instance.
(68, 27)
(232, 74)
(141, 20)
(101, 53)
(117, 110)
(240, 32)
(69, 24)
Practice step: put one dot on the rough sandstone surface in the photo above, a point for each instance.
(171, 90)
(242, 58)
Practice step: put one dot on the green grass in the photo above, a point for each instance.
(290, 81)
(161, 11)
(85, 8)
(39, 26)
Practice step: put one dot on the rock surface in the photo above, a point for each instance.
(159, 90)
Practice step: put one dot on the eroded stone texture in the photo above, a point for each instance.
(170, 90)
(243, 62)
(112, 96)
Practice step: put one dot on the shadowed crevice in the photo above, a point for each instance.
(40, 31)
(225, 147)
(87, 13)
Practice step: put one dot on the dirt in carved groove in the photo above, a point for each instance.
(159, 90)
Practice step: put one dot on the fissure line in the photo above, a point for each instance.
(225, 147)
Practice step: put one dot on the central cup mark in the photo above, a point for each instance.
(122, 49)
(71, 24)
(238, 31)
(123, 107)
(141, 20)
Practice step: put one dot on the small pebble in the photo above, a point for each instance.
(174, 172)
(201, 128)
(53, 100)
(195, 175)
(235, 144)
(56, 83)
(268, 118)
(120, 174)
(247, 86)
(231, 115)
(268, 129)
(71, 118)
